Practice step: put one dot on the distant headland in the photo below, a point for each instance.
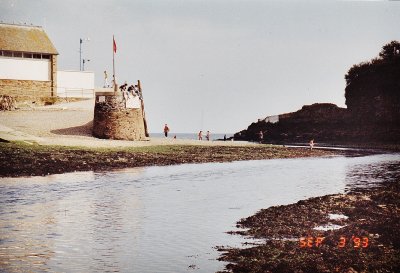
(372, 115)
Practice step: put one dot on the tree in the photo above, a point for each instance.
(390, 50)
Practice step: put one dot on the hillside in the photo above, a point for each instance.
(372, 114)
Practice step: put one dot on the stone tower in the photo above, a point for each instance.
(118, 116)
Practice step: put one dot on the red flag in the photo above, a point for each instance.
(114, 45)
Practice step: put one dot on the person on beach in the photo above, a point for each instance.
(261, 136)
(311, 144)
(224, 137)
(200, 135)
(106, 84)
(166, 130)
(208, 136)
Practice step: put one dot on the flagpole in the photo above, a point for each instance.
(115, 84)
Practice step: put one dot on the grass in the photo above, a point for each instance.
(21, 158)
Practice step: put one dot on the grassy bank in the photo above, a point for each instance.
(21, 159)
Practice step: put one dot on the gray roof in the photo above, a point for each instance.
(25, 39)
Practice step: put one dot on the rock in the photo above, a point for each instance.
(7, 103)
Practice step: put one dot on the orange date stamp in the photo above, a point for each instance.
(354, 241)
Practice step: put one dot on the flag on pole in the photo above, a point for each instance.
(114, 51)
(114, 45)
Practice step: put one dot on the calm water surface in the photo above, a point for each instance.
(159, 219)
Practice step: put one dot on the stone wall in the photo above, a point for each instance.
(113, 121)
(26, 89)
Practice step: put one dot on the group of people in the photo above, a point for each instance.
(200, 135)
(130, 91)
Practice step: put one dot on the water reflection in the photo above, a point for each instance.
(158, 219)
(368, 173)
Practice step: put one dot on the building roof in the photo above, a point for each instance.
(25, 39)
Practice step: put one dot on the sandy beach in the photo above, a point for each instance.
(57, 139)
(70, 124)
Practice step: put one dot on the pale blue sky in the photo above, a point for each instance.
(235, 61)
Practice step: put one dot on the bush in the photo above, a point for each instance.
(7, 103)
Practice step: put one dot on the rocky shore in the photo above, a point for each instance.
(21, 159)
(372, 114)
(352, 232)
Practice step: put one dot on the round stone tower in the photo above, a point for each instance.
(118, 117)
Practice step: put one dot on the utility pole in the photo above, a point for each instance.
(83, 64)
(80, 51)
(80, 54)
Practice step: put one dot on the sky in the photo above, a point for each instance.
(216, 65)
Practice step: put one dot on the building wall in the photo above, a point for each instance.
(25, 69)
(28, 78)
(75, 84)
(272, 119)
(25, 89)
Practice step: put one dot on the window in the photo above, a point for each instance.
(28, 55)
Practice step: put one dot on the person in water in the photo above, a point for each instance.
(311, 144)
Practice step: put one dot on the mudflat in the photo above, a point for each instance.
(22, 159)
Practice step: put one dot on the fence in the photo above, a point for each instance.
(64, 92)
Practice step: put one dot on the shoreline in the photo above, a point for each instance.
(363, 234)
(64, 144)
(22, 159)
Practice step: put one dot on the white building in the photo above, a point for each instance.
(28, 66)
(28, 62)
(75, 84)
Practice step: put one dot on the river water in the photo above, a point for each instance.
(159, 219)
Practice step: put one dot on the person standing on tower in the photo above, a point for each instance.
(106, 84)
